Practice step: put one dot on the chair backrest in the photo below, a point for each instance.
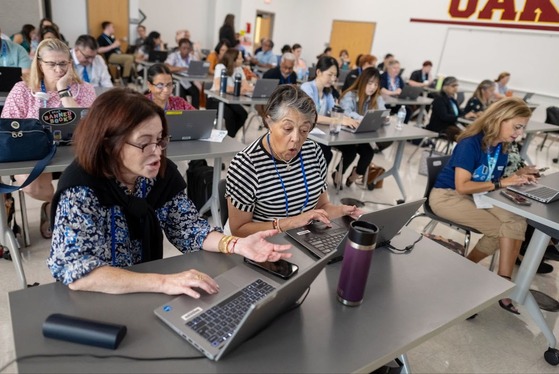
(434, 167)
(460, 97)
(223, 212)
(552, 115)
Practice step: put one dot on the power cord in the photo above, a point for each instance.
(406, 249)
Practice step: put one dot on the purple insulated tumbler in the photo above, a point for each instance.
(361, 242)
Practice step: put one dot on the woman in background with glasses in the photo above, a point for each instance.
(120, 194)
(51, 83)
(161, 86)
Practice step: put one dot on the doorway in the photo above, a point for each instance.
(263, 27)
(115, 11)
(356, 37)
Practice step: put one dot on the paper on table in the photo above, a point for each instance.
(317, 131)
(217, 136)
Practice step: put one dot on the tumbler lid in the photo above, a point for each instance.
(337, 109)
(363, 233)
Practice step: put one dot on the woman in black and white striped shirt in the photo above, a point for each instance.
(279, 181)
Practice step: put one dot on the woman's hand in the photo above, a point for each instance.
(352, 211)
(304, 219)
(515, 180)
(183, 283)
(257, 248)
(528, 170)
(349, 122)
(66, 79)
(470, 115)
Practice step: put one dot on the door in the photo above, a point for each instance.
(264, 27)
(115, 11)
(355, 37)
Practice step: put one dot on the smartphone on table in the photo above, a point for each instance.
(281, 268)
(516, 198)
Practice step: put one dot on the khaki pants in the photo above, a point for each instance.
(493, 223)
(127, 62)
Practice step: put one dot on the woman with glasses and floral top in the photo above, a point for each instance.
(120, 194)
(52, 82)
(160, 87)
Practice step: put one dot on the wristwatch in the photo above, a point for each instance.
(64, 93)
(497, 185)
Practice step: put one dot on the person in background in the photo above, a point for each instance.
(259, 46)
(481, 99)
(52, 75)
(47, 22)
(476, 167)
(49, 32)
(24, 37)
(422, 77)
(392, 85)
(89, 65)
(179, 61)
(14, 55)
(196, 49)
(300, 67)
(320, 91)
(384, 64)
(142, 35)
(235, 115)
(109, 46)
(160, 87)
(283, 159)
(327, 52)
(120, 194)
(343, 60)
(445, 111)
(357, 59)
(365, 61)
(153, 42)
(217, 54)
(501, 89)
(227, 30)
(265, 58)
(284, 71)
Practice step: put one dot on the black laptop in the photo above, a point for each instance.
(62, 122)
(410, 92)
(157, 56)
(190, 124)
(9, 76)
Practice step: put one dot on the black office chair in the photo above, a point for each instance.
(223, 211)
(552, 117)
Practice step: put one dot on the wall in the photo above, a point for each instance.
(71, 17)
(16, 13)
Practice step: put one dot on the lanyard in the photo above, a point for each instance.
(4, 49)
(283, 185)
(492, 162)
(285, 80)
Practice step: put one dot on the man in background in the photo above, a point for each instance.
(109, 46)
(90, 66)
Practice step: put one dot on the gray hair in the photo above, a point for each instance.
(288, 56)
(289, 97)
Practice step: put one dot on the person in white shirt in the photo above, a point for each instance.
(179, 61)
(89, 65)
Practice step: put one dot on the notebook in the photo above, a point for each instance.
(253, 300)
(157, 56)
(62, 122)
(372, 121)
(263, 88)
(322, 240)
(190, 124)
(410, 92)
(543, 194)
(9, 76)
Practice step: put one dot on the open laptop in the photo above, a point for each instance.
(372, 121)
(62, 122)
(190, 318)
(263, 88)
(197, 69)
(410, 92)
(190, 124)
(342, 75)
(322, 240)
(9, 76)
(541, 193)
(157, 56)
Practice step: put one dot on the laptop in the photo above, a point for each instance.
(263, 88)
(9, 76)
(343, 75)
(157, 56)
(246, 315)
(196, 69)
(321, 240)
(543, 194)
(410, 92)
(372, 121)
(190, 124)
(62, 122)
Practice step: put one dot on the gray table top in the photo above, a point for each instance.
(409, 298)
(384, 134)
(231, 99)
(176, 151)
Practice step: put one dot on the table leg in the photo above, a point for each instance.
(213, 202)
(220, 110)
(405, 364)
(10, 242)
(524, 150)
(419, 120)
(145, 82)
(394, 170)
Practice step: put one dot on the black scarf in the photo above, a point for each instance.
(140, 213)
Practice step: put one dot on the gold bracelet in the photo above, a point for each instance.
(221, 246)
(275, 224)
(278, 225)
(226, 241)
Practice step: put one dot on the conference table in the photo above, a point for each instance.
(545, 219)
(384, 134)
(176, 151)
(409, 298)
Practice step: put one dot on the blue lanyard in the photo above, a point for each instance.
(285, 80)
(283, 185)
(4, 49)
(492, 162)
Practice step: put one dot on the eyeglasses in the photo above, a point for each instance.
(162, 86)
(87, 57)
(52, 65)
(150, 147)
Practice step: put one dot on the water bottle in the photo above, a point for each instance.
(401, 117)
(237, 85)
(361, 242)
(306, 78)
(223, 82)
(300, 75)
(337, 115)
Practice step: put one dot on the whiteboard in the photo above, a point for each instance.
(532, 58)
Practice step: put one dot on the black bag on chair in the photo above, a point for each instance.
(199, 178)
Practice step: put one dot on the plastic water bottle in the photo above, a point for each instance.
(223, 82)
(401, 117)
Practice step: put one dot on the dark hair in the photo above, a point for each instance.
(103, 132)
(86, 41)
(358, 59)
(43, 20)
(50, 29)
(326, 50)
(286, 48)
(26, 31)
(157, 69)
(427, 63)
(220, 44)
(229, 20)
(185, 41)
(324, 63)
(360, 84)
(388, 55)
(296, 46)
(149, 42)
(228, 60)
(104, 24)
(342, 52)
(286, 97)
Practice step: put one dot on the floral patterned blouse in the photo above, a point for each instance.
(88, 235)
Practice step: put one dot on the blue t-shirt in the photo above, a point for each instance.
(469, 155)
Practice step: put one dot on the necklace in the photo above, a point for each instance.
(287, 163)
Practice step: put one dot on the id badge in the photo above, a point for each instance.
(480, 203)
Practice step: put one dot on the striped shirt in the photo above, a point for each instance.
(253, 184)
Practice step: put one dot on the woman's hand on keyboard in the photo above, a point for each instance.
(184, 282)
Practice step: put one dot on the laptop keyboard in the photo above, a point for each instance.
(218, 323)
(541, 193)
(327, 244)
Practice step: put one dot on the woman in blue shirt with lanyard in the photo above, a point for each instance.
(475, 168)
(279, 181)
